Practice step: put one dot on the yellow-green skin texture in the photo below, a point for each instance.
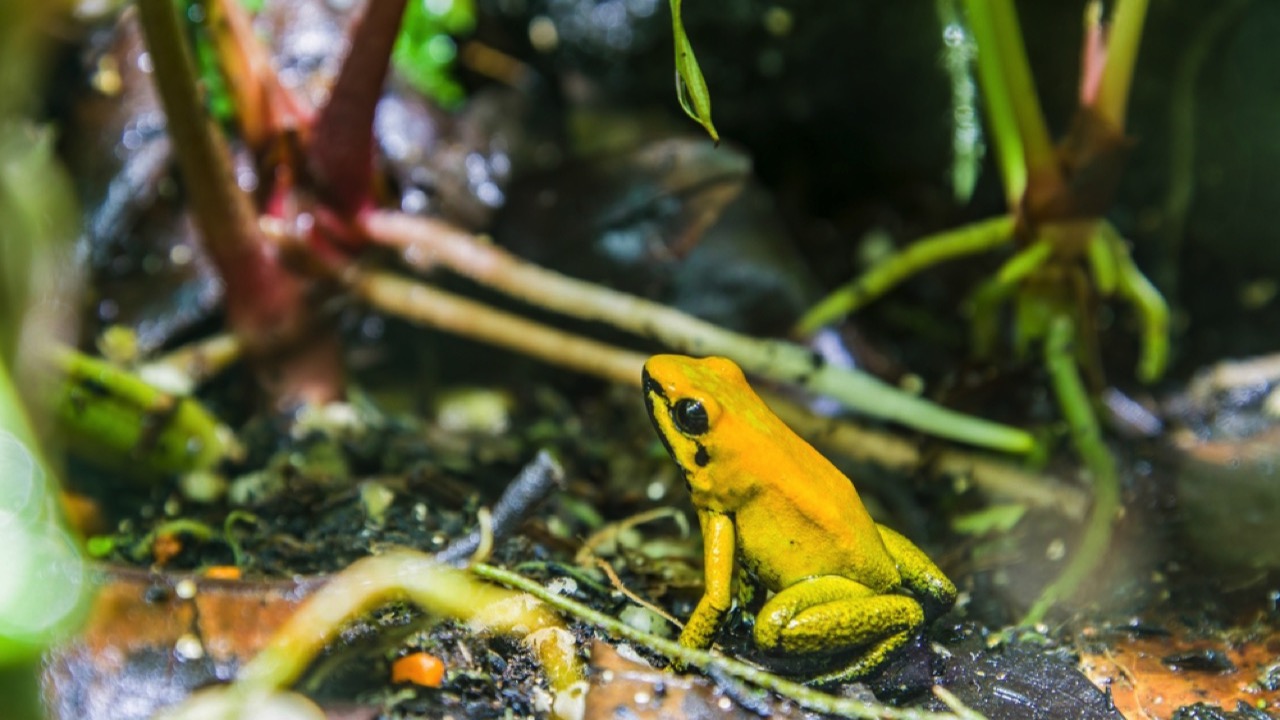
(768, 501)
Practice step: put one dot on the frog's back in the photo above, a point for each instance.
(808, 520)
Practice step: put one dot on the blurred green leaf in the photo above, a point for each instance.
(425, 51)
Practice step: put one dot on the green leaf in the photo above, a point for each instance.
(691, 87)
(425, 52)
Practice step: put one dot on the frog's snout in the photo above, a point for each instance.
(651, 387)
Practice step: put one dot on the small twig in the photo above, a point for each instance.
(424, 304)
(426, 243)
(706, 660)
(527, 490)
(613, 530)
(632, 596)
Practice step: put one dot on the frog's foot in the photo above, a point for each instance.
(866, 663)
(831, 614)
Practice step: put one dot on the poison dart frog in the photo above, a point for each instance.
(770, 504)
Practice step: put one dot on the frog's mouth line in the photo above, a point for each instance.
(652, 388)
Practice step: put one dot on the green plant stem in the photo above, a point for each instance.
(919, 255)
(1087, 438)
(1042, 161)
(1152, 308)
(1102, 262)
(983, 306)
(1019, 129)
(429, 243)
(1123, 41)
(1010, 153)
(706, 660)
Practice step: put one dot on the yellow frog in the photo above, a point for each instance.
(770, 501)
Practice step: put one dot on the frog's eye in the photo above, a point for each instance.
(690, 416)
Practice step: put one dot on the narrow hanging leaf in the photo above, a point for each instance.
(691, 87)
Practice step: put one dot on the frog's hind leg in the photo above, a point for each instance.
(831, 614)
(919, 574)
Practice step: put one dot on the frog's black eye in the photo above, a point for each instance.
(690, 416)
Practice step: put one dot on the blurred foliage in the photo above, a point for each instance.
(43, 586)
(425, 52)
(423, 56)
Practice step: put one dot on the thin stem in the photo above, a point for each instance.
(704, 659)
(1151, 306)
(1042, 162)
(424, 304)
(400, 574)
(1123, 41)
(1006, 78)
(427, 242)
(987, 298)
(923, 253)
(1086, 435)
(1102, 262)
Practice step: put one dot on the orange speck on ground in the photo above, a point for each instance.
(222, 572)
(419, 668)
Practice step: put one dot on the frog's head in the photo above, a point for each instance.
(692, 404)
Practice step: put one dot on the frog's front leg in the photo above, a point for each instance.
(832, 613)
(718, 549)
(919, 575)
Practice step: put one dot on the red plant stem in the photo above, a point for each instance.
(341, 151)
(268, 308)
